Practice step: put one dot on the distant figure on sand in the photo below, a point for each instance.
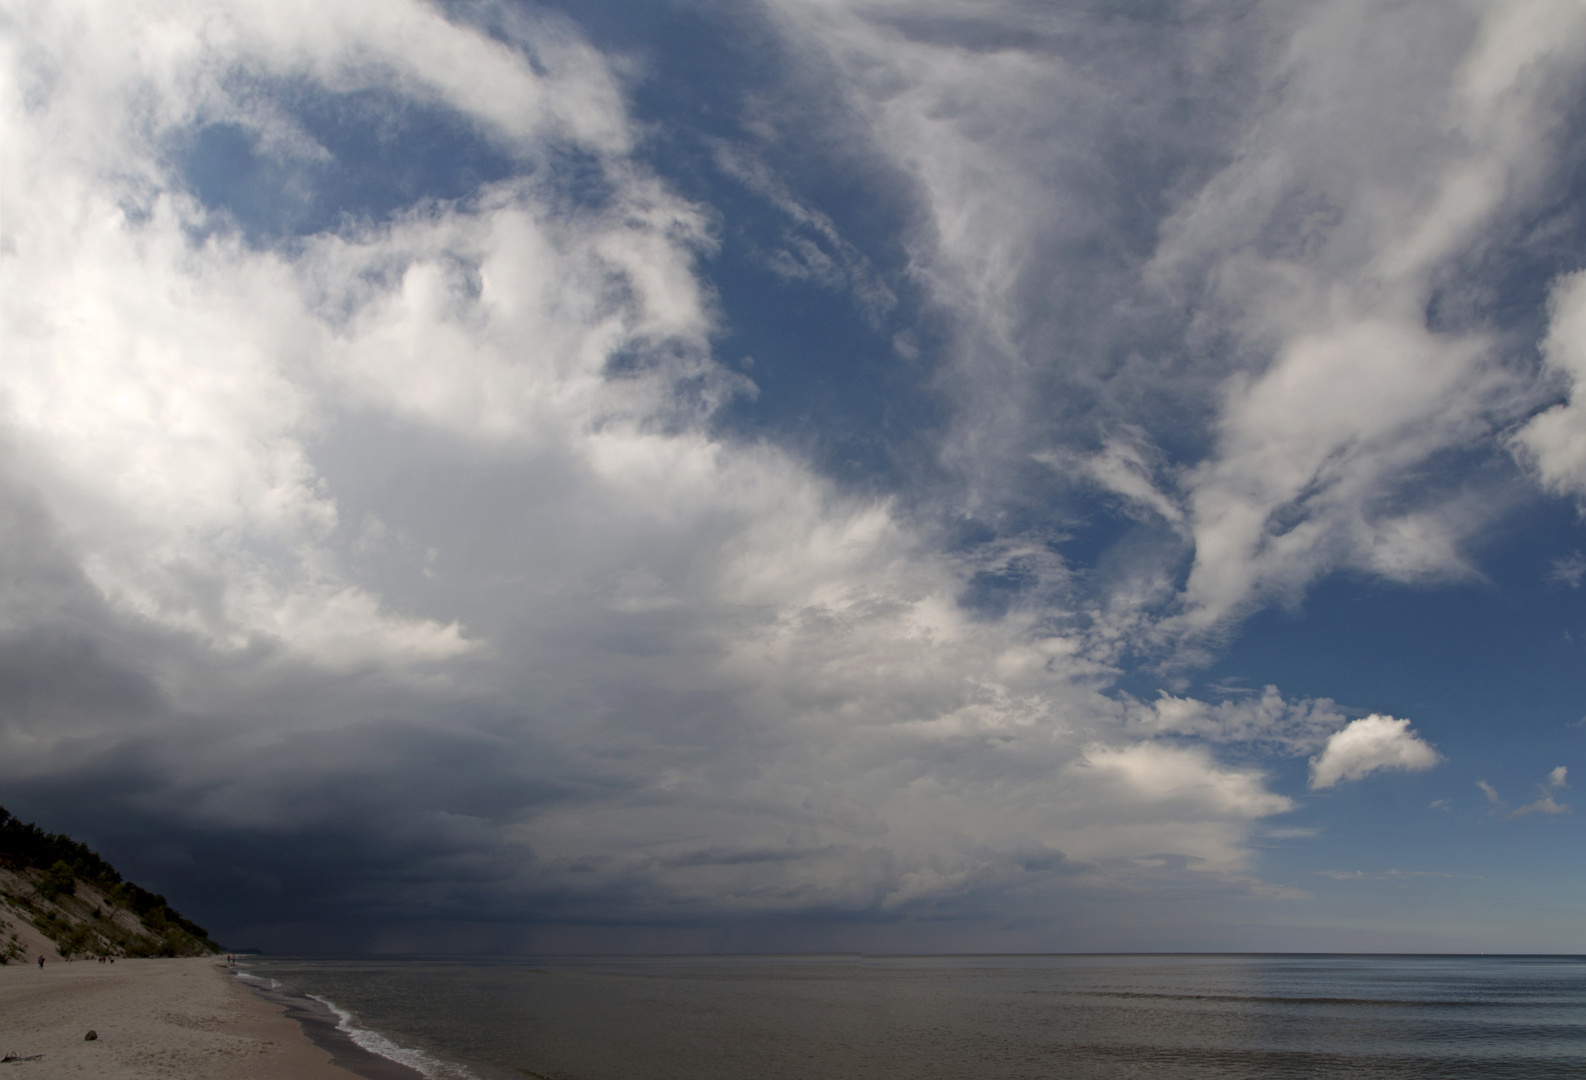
(41, 961)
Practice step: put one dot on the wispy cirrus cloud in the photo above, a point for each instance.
(1389, 875)
(1546, 803)
(1272, 322)
(1547, 790)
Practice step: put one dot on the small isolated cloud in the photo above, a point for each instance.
(1545, 805)
(1491, 793)
(1369, 745)
(1442, 804)
(1547, 789)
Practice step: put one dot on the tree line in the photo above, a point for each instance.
(63, 861)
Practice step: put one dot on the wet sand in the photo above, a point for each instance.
(185, 1018)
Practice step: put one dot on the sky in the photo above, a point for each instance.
(801, 475)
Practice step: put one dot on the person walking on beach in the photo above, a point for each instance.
(41, 961)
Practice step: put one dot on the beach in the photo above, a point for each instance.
(183, 1018)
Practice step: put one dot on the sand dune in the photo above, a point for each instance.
(182, 1018)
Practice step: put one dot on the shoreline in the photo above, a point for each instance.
(185, 1018)
(321, 1025)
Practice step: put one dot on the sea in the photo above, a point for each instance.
(1067, 1017)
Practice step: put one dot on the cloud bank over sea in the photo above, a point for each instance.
(493, 476)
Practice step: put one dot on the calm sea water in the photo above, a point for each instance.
(965, 1018)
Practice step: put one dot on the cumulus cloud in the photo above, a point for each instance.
(1371, 744)
(161, 390)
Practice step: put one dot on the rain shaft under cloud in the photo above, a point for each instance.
(388, 537)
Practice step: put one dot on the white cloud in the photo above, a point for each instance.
(994, 117)
(1568, 570)
(1547, 804)
(1314, 450)
(1554, 441)
(163, 391)
(1127, 466)
(1298, 726)
(1371, 744)
(812, 248)
(1170, 774)
(1388, 875)
(1547, 789)
(1327, 189)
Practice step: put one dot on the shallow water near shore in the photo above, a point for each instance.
(1207, 1017)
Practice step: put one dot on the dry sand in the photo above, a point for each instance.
(155, 1018)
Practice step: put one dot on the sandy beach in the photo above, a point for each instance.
(183, 1018)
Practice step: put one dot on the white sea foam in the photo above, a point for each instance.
(376, 1043)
